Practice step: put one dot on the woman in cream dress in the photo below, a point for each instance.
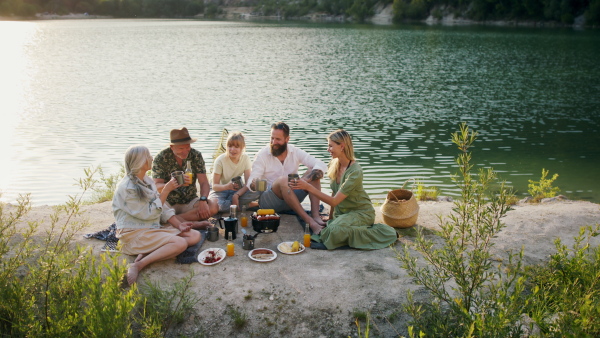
(140, 212)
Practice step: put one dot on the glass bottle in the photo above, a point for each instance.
(307, 236)
(230, 246)
(189, 173)
(243, 217)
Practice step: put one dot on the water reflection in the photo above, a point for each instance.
(84, 91)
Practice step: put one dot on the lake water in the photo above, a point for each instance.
(75, 94)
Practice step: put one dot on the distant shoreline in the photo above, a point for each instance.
(383, 16)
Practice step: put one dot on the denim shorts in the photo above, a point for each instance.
(224, 198)
(268, 200)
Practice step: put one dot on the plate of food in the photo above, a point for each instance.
(211, 256)
(290, 248)
(262, 255)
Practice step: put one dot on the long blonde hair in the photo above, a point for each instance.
(235, 139)
(135, 158)
(340, 136)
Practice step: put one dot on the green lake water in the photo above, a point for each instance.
(77, 93)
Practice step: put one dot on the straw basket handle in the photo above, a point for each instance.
(402, 187)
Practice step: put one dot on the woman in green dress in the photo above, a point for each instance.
(352, 214)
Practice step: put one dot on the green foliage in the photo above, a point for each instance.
(471, 296)
(568, 288)
(167, 306)
(48, 287)
(361, 10)
(367, 318)
(592, 14)
(239, 319)
(106, 191)
(561, 11)
(543, 188)
(410, 9)
(425, 193)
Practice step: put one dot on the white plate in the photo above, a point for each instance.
(204, 254)
(262, 260)
(290, 244)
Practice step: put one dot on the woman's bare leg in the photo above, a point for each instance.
(174, 247)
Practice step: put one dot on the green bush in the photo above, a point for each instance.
(166, 306)
(592, 14)
(49, 287)
(425, 193)
(106, 190)
(543, 188)
(471, 296)
(566, 301)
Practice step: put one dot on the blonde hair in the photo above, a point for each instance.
(235, 139)
(340, 136)
(135, 158)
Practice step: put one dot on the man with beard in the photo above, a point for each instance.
(274, 163)
(184, 199)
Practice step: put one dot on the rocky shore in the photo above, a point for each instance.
(317, 293)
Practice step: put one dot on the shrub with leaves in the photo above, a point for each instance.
(566, 297)
(165, 307)
(426, 193)
(543, 188)
(50, 287)
(106, 190)
(471, 296)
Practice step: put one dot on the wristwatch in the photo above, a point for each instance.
(203, 198)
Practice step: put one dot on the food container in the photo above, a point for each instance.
(266, 224)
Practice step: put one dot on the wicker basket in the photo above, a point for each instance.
(400, 209)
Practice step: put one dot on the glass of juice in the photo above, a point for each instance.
(230, 248)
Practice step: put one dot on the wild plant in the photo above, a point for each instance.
(471, 296)
(566, 297)
(543, 188)
(166, 307)
(49, 287)
(426, 193)
(106, 190)
(239, 318)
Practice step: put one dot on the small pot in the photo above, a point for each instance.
(212, 234)
(248, 242)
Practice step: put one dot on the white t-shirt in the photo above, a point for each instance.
(228, 170)
(269, 167)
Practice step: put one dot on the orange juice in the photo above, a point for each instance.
(230, 249)
(191, 176)
(244, 220)
(307, 240)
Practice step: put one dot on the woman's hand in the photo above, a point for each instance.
(300, 184)
(171, 185)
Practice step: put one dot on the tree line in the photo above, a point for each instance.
(557, 11)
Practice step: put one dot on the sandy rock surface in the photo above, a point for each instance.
(315, 293)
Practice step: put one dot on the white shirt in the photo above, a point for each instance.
(270, 168)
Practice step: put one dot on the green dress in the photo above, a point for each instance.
(353, 218)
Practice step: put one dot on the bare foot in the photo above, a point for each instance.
(316, 228)
(201, 225)
(319, 220)
(139, 258)
(132, 274)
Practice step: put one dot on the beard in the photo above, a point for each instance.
(277, 150)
